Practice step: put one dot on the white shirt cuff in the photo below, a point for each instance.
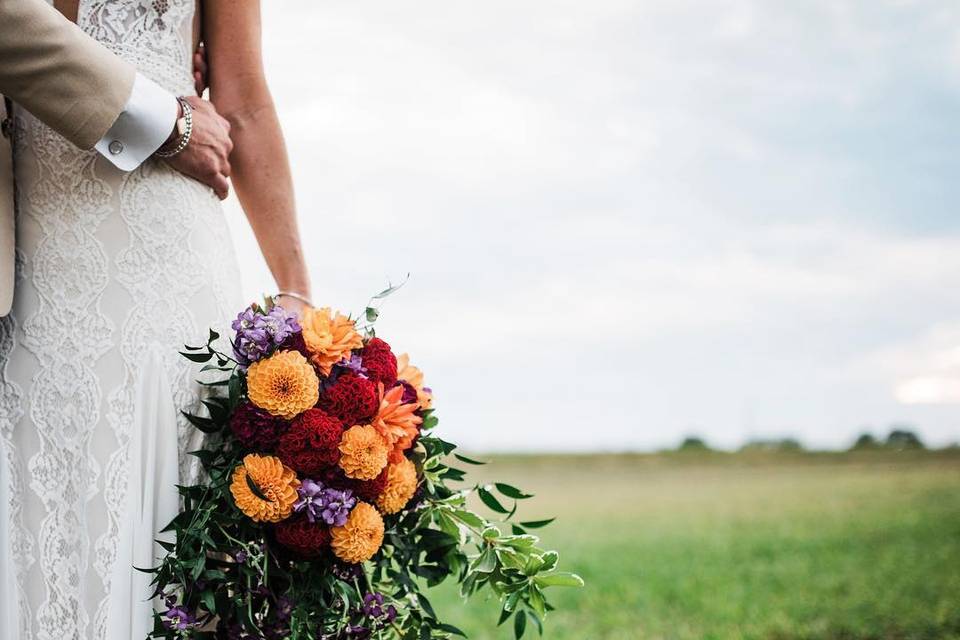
(144, 124)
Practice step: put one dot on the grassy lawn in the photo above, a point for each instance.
(767, 545)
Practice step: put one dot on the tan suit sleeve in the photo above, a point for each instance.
(51, 68)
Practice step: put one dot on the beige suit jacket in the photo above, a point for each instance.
(63, 77)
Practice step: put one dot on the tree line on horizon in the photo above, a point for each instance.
(900, 438)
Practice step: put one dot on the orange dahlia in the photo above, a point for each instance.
(414, 377)
(363, 452)
(263, 488)
(361, 536)
(328, 336)
(284, 384)
(401, 485)
(397, 422)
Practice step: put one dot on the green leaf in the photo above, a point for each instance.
(521, 542)
(213, 336)
(208, 601)
(536, 601)
(487, 561)
(550, 559)
(510, 604)
(470, 518)
(491, 533)
(234, 390)
(560, 579)
(371, 314)
(390, 289)
(449, 628)
(520, 624)
(255, 489)
(205, 425)
(196, 357)
(422, 599)
(489, 500)
(536, 524)
(467, 460)
(512, 492)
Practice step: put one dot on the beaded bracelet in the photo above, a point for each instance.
(184, 139)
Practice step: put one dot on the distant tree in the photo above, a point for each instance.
(776, 444)
(789, 444)
(865, 441)
(693, 443)
(901, 438)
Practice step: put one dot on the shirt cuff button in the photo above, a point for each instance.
(116, 147)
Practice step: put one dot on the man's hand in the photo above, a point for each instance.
(206, 157)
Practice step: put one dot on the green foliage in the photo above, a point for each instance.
(903, 437)
(228, 570)
(865, 441)
(693, 443)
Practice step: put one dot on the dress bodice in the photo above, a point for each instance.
(154, 35)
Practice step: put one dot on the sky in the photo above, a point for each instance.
(630, 221)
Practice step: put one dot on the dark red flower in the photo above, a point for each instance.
(409, 393)
(370, 489)
(351, 398)
(311, 444)
(380, 363)
(305, 538)
(256, 429)
(295, 343)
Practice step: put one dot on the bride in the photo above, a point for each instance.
(115, 273)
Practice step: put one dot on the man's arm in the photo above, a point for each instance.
(59, 74)
(93, 98)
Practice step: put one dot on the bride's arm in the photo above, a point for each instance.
(260, 168)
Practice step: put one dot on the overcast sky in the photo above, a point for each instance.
(627, 221)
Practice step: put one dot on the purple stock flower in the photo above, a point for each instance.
(259, 333)
(373, 608)
(284, 608)
(373, 605)
(177, 618)
(355, 364)
(324, 503)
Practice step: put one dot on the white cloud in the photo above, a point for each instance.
(626, 221)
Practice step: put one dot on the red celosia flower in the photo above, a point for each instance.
(351, 398)
(380, 363)
(305, 538)
(311, 444)
(256, 429)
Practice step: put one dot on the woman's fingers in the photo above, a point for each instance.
(220, 186)
(200, 70)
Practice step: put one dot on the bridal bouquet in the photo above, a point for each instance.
(327, 508)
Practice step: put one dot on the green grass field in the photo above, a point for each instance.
(768, 545)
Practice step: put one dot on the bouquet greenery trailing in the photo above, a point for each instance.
(326, 507)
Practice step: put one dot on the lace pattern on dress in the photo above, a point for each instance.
(172, 256)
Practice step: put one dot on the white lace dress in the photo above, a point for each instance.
(115, 273)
